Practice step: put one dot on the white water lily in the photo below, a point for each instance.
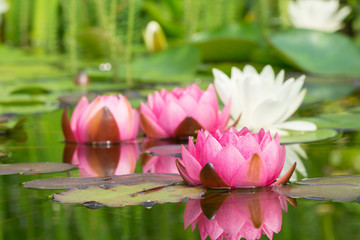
(323, 15)
(154, 37)
(262, 100)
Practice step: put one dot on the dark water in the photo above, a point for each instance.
(31, 214)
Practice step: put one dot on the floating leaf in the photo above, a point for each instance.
(130, 179)
(34, 168)
(347, 180)
(344, 121)
(122, 195)
(321, 192)
(318, 52)
(311, 136)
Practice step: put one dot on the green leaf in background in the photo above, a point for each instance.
(173, 64)
(318, 52)
(34, 168)
(305, 137)
(343, 121)
(233, 43)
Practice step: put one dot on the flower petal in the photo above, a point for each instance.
(151, 128)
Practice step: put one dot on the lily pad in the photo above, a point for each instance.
(318, 52)
(343, 121)
(34, 168)
(347, 180)
(122, 195)
(233, 43)
(321, 192)
(305, 137)
(79, 182)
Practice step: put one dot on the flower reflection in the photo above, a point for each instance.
(241, 214)
(160, 156)
(102, 161)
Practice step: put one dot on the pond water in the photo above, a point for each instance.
(32, 214)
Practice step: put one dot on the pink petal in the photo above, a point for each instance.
(227, 162)
(271, 157)
(247, 145)
(79, 110)
(171, 117)
(151, 128)
(210, 149)
(252, 173)
(144, 109)
(191, 165)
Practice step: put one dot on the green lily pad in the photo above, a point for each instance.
(122, 195)
(310, 136)
(233, 43)
(78, 182)
(339, 188)
(321, 192)
(344, 121)
(34, 168)
(347, 180)
(318, 52)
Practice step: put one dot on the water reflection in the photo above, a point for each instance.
(240, 214)
(160, 156)
(101, 161)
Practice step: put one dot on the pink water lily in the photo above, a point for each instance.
(104, 161)
(181, 112)
(238, 215)
(232, 159)
(105, 119)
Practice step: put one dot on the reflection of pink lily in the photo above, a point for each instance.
(242, 214)
(104, 161)
(159, 163)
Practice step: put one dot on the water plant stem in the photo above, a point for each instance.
(129, 38)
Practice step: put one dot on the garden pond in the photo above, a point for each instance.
(142, 208)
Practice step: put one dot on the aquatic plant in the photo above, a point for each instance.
(105, 119)
(154, 37)
(233, 159)
(262, 100)
(320, 15)
(181, 112)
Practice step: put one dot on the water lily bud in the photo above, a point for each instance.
(154, 37)
(262, 100)
(232, 159)
(239, 215)
(322, 15)
(106, 119)
(182, 112)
